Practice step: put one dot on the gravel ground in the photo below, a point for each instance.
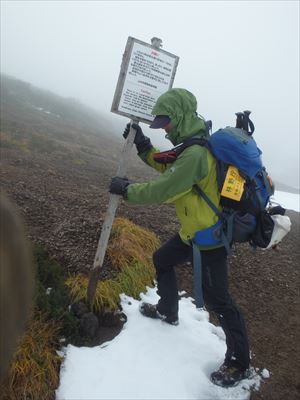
(64, 201)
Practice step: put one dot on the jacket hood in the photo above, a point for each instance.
(181, 106)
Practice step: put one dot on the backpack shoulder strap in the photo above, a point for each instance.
(169, 156)
(227, 220)
(190, 142)
(208, 201)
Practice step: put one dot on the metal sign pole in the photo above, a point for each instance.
(109, 219)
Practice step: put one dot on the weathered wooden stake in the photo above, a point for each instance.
(109, 219)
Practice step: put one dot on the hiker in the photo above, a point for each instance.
(175, 112)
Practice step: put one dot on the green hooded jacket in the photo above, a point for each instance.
(195, 165)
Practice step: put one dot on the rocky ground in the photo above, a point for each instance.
(63, 200)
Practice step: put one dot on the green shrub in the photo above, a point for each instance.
(52, 296)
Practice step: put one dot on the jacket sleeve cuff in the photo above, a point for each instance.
(146, 145)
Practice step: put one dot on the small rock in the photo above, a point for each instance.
(89, 325)
(110, 319)
(79, 309)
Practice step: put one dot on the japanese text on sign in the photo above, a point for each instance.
(150, 73)
(233, 186)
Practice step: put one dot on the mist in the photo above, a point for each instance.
(233, 56)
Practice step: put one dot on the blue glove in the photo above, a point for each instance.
(141, 141)
(119, 186)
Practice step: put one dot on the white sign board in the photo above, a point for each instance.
(146, 73)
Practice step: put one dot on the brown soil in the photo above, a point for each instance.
(63, 202)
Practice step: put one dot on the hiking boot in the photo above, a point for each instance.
(150, 311)
(227, 376)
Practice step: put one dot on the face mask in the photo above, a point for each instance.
(172, 136)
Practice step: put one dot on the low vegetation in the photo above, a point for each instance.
(130, 252)
(130, 243)
(132, 280)
(34, 369)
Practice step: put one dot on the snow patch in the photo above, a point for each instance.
(46, 111)
(265, 373)
(290, 201)
(150, 359)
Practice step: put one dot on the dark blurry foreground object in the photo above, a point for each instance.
(16, 281)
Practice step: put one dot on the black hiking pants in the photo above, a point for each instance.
(215, 293)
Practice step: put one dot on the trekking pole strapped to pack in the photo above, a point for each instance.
(244, 122)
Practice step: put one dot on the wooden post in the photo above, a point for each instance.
(135, 115)
(109, 219)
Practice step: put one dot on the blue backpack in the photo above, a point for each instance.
(244, 185)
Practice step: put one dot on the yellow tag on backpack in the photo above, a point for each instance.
(233, 186)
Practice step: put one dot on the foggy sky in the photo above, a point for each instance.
(234, 55)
